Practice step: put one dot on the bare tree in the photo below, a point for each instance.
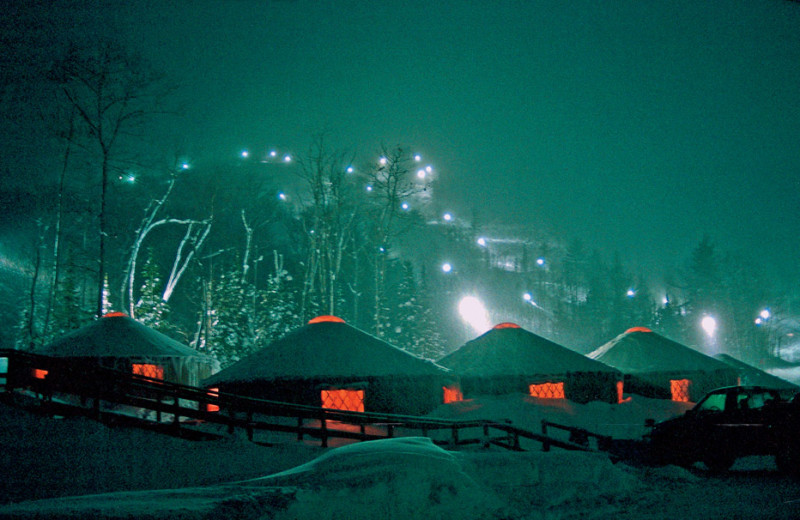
(328, 219)
(393, 189)
(113, 94)
(195, 234)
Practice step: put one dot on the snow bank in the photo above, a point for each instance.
(404, 478)
(393, 478)
(43, 457)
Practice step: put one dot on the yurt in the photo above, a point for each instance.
(331, 364)
(119, 342)
(655, 366)
(752, 376)
(509, 359)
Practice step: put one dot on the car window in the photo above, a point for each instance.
(714, 402)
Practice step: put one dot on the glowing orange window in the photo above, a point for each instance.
(343, 399)
(40, 373)
(452, 394)
(213, 392)
(679, 388)
(547, 390)
(148, 370)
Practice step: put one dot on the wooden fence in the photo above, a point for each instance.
(58, 387)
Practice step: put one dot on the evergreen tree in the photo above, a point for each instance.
(280, 302)
(150, 308)
(232, 331)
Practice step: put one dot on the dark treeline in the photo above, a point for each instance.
(228, 255)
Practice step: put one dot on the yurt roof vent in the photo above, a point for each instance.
(115, 315)
(325, 319)
(506, 325)
(638, 329)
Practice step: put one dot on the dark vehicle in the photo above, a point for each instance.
(729, 423)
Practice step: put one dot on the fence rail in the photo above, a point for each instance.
(61, 387)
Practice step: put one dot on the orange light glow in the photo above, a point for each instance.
(40, 373)
(326, 319)
(547, 390)
(621, 393)
(679, 388)
(115, 315)
(638, 329)
(213, 392)
(343, 399)
(148, 370)
(506, 325)
(452, 395)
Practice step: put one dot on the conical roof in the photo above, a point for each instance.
(326, 347)
(640, 350)
(753, 376)
(508, 350)
(117, 336)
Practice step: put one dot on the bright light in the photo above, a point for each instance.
(350, 169)
(429, 169)
(482, 242)
(287, 158)
(709, 325)
(765, 314)
(273, 153)
(447, 267)
(185, 166)
(282, 196)
(540, 261)
(665, 300)
(447, 217)
(631, 293)
(418, 157)
(405, 206)
(474, 313)
(421, 174)
(369, 187)
(382, 161)
(527, 297)
(245, 154)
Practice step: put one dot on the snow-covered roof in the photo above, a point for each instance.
(753, 376)
(508, 349)
(640, 350)
(326, 348)
(117, 336)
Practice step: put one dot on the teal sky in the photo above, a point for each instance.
(637, 126)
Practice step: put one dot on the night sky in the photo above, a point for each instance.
(636, 126)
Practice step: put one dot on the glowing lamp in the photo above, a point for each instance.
(474, 313)
(709, 325)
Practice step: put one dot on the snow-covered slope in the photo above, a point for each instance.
(404, 478)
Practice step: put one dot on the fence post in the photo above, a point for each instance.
(323, 426)
(546, 441)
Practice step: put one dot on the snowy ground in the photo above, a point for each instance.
(400, 478)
